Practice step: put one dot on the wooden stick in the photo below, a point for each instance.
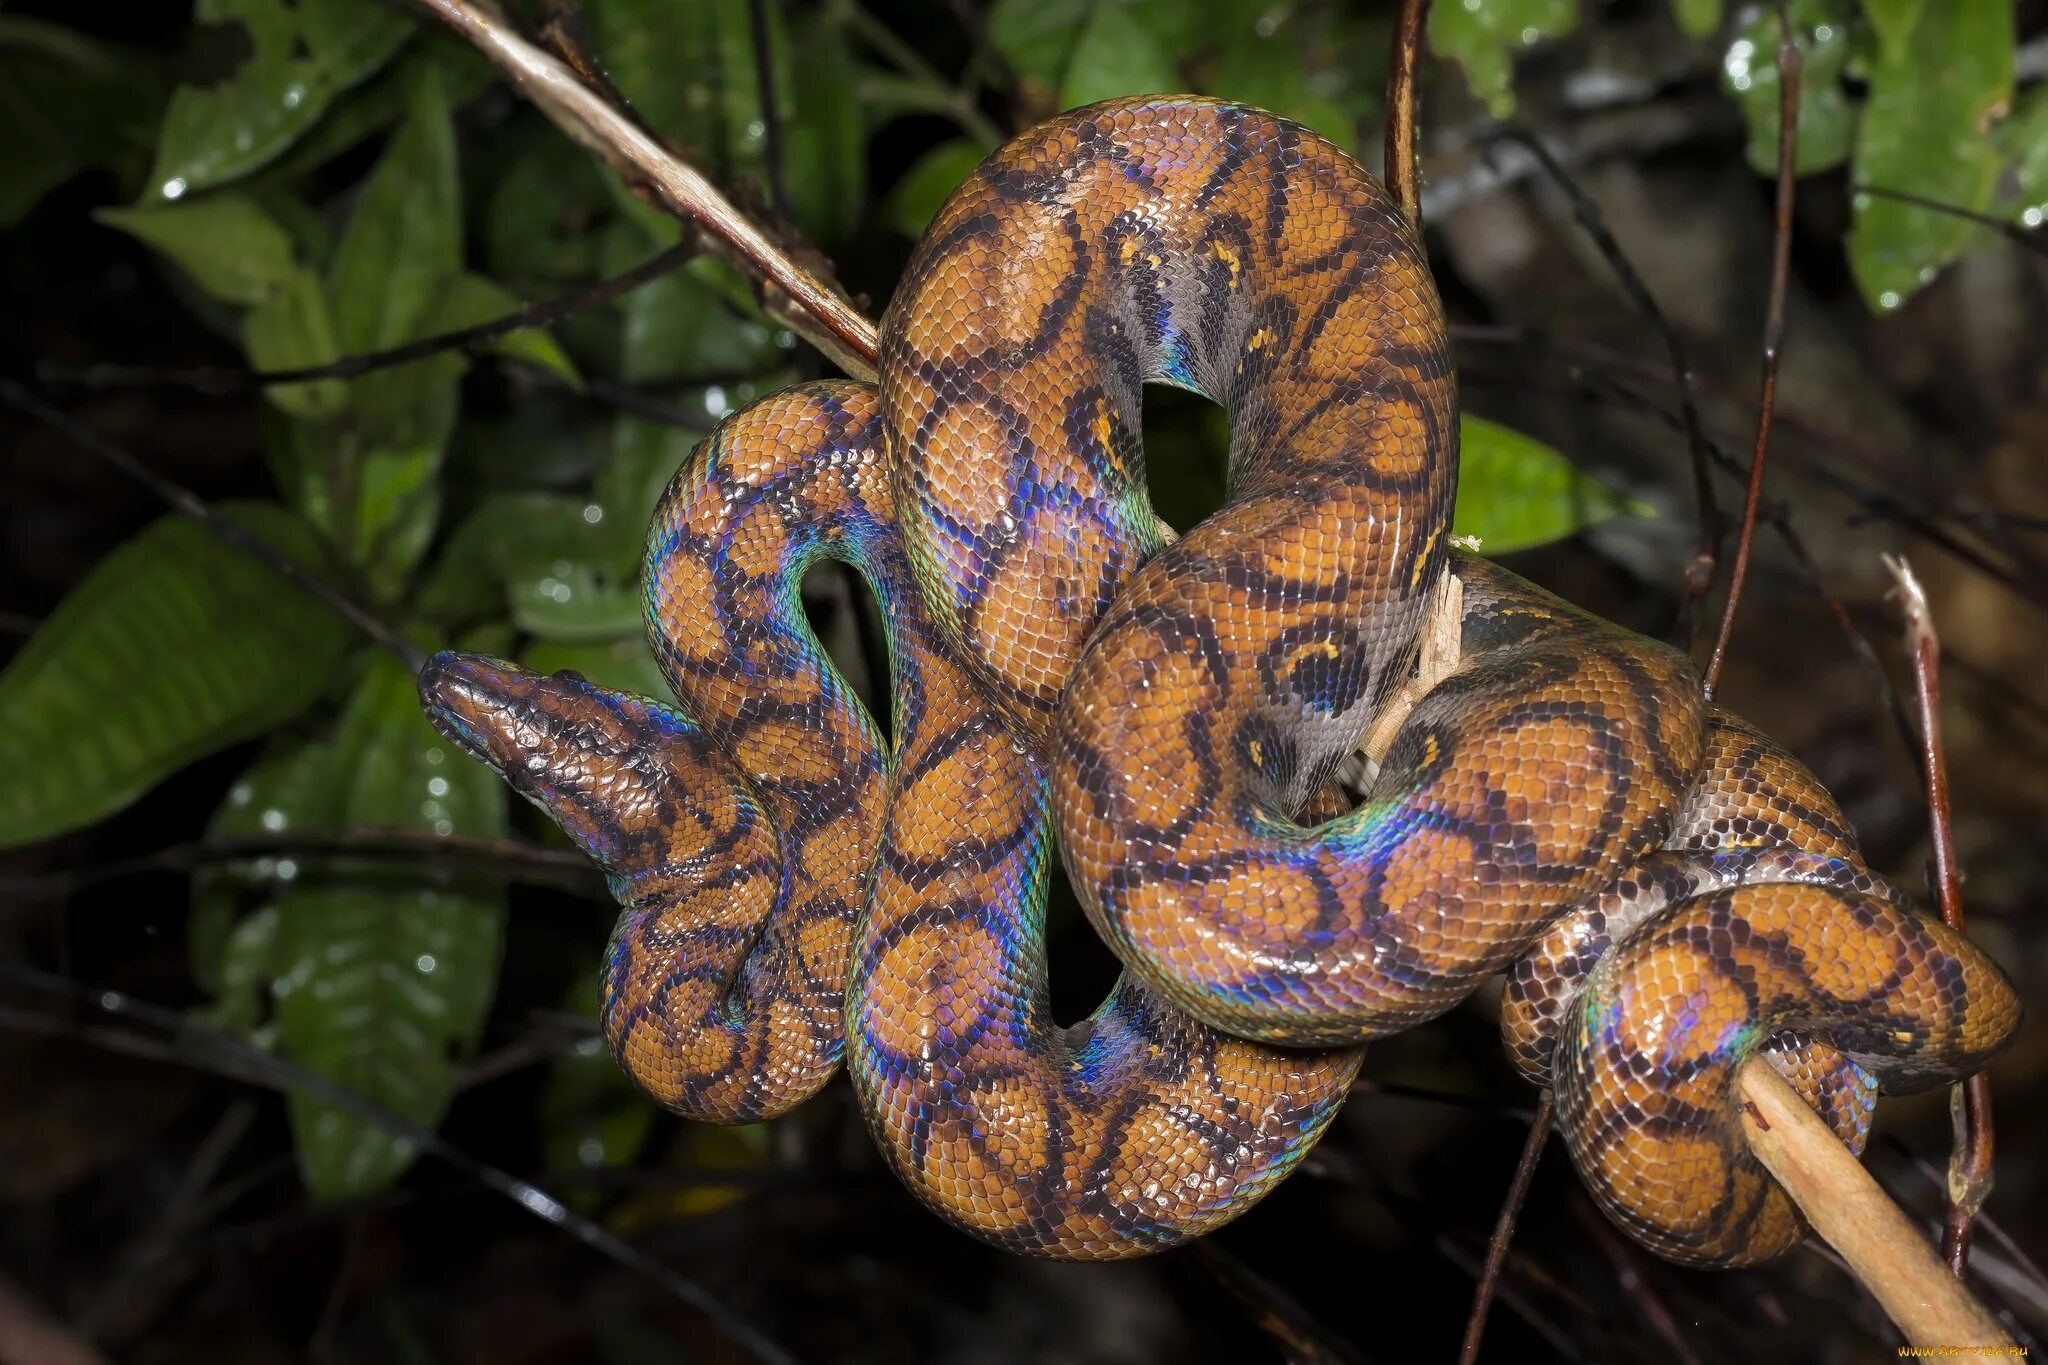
(1851, 1213)
(824, 318)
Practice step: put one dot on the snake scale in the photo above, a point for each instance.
(1669, 892)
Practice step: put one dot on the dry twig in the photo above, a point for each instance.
(1774, 333)
(1851, 1213)
(1969, 1168)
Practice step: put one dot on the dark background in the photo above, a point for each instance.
(152, 1202)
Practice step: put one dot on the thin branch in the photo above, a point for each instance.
(821, 315)
(217, 379)
(506, 858)
(1851, 1213)
(190, 504)
(1278, 1315)
(1789, 67)
(208, 1049)
(2028, 237)
(1402, 181)
(771, 116)
(1969, 1163)
(1626, 1259)
(1504, 1229)
(957, 104)
(1699, 575)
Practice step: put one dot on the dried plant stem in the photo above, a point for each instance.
(821, 315)
(1402, 180)
(1969, 1167)
(1852, 1214)
(1789, 67)
(1504, 1229)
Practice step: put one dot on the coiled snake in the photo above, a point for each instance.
(1669, 890)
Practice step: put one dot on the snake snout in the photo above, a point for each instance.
(476, 702)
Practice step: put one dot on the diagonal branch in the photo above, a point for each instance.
(820, 314)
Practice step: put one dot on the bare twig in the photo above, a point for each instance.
(1504, 1229)
(185, 501)
(218, 379)
(192, 1044)
(2028, 237)
(1852, 1214)
(1969, 1165)
(1402, 181)
(1699, 575)
(771, 116)
(1293, 1330)
(1789, 66)
(508, 859)
(1625, 1258)
(821, 315)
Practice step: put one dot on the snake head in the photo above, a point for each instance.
(632, 781)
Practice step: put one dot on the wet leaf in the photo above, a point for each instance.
(1697, 18)
(467, 300)
(288, 788)
(382, 985)
(624, 665)
(1037, 37)
(1936, 90)
(226, 242)
(68, 103)
(915, 200)
(176, 645)
(1515, 492)
(1482, 36)
(300, 57)
(1823, 31)
(1115, 54)
(291, 330)
(404, 238)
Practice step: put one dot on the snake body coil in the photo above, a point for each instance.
(1671, 892)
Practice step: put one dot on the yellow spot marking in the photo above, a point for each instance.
(1415, 578)
(1102, 426)
(1128, 252)
(1228, 255)
(1261, 339)
(1429, 751)
(1258, 755)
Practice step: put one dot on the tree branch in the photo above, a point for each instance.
(820, 314)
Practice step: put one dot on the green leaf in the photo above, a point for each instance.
(1115, 55)
(1482, 36)
(1037, 37)
(1262, 65)
(2023, 147)
(592, 1117)
(468, 300)
(405, 236)
(824, 130)
(387, 97)
(1894, 21)
(1821, 29)
(915, 200)
(289, 788)
(1698, 18)
(1515, 492)
(291, 330)
(226, 242)
(685, 325)
(246, 966)
(383, 986)
(68, 103)
(624, 665)
(1935, 93)
(176, 645)
(554, 561)
(688, 69)
(300, 56)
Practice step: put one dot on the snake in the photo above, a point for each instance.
(805, 884)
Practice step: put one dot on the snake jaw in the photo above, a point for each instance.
(631, 781)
